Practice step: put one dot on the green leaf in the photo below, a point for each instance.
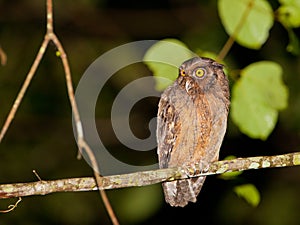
(211, 55)
(207, 54)
(164, 58)
(230, 175)
(249, 193)
(256, 98)
(248, 21)
(289, 13)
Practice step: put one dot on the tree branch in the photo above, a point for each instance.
(146, 177)
(82, 145)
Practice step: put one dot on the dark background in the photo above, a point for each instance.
(41, 135)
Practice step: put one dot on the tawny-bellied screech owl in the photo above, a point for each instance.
(191, 124)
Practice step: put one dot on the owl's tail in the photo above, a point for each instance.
(181, 192)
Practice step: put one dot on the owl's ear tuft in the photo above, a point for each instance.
(219, 65)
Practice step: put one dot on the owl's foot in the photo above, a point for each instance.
(195, 168)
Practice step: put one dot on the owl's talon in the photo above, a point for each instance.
(192, 169)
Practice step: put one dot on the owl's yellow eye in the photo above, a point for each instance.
(182, 73)
(200, 72)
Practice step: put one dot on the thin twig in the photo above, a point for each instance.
(81, 142)
(24, 87)
(232, 37)
(3, 57)
(11, 207)
(51, 36)
(95, 167)
(36, 174)
(146, 177)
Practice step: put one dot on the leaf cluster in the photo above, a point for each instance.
(258, 92)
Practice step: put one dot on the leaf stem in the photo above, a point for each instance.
(230, 41)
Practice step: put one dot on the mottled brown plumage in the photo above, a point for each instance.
(192, 120)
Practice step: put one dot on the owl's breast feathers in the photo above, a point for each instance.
(190, 129)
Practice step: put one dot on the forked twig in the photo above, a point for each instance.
(51, 36)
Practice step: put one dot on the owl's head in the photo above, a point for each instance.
(203, 75)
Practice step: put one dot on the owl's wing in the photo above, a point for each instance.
(167, 127)
(177, 193)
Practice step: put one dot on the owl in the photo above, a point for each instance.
(191, 124)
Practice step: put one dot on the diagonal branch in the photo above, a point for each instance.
(82, 145)
(24, 87)
(146, 177)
